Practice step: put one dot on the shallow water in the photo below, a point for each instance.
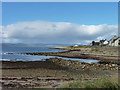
(33, 48)
(81, 60)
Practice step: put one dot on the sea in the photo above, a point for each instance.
(25, 48)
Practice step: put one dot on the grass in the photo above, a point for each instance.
(109, 82)
(72, 47)
(75, 47)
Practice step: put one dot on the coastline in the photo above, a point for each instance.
(52, 72)
(55, 72)
(104, 54)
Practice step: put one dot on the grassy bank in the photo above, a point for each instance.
(108, 82)
(71, 47)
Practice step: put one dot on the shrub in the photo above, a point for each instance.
(110, 83)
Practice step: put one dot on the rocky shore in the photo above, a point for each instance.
(83, 66)
(55, 72)
(51, 73)
(104, 54)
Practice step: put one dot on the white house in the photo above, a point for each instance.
(100, 43)
(115, 41)
(76, 45)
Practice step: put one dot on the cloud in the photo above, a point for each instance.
(56, 32)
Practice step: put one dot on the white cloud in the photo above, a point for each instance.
(56, 32)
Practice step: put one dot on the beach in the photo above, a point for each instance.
(59, 45)
(51, 73)
(104, 54)
(55, 72)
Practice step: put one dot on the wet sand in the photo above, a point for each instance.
(51, 73)
(104, 54)
(54, 72)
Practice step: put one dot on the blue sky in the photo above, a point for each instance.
(59, 22)
(82, 13)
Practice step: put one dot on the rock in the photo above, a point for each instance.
(113, 65)
(106, 64)
(117, 68)
(83, 66)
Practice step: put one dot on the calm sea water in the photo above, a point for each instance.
(22, 48)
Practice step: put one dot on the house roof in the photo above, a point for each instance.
(114, 39)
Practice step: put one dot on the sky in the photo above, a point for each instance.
(60, 1)
(81, 13)
(58, 22)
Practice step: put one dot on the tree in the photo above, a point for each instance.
(93, 42)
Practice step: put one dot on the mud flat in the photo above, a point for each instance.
(104, 54)
(51, 73)
(55, 72)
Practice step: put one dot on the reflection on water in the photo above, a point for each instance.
(81, 60)
(33, 48)
(23, 57)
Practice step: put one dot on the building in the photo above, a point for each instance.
(103, 42)
(100, 43)
(115, 41)
(76, 45)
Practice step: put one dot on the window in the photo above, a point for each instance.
(119, 42)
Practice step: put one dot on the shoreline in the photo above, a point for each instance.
(52, 73)
(56, 62)
(104, 54)
(55, 72)
(83, 53)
